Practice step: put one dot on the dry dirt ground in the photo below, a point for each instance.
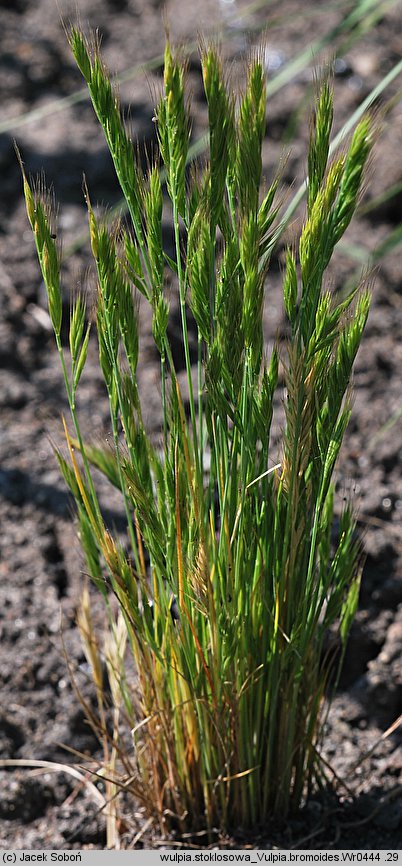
(41, 568)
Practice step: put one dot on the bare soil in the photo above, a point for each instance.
(41, 567)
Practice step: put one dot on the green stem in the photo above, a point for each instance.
(243, 460)
(71, 402)
(182, 298)
(294, 463)
(200, 405)
(117, 380)
(127, 510)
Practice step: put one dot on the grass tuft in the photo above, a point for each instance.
(232, 575)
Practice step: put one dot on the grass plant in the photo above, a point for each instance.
(232, 575)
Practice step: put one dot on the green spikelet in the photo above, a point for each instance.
(319, 141)
(153, 217)
(251, 130)
(174, 130)
(221, 130)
